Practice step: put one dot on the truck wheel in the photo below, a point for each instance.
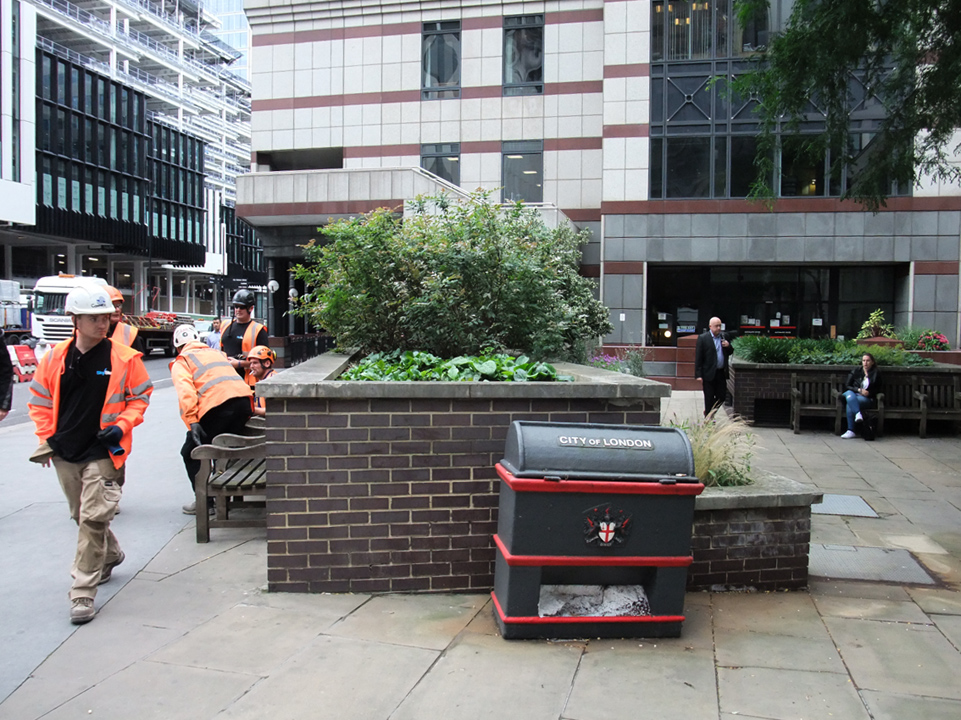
(11, 339)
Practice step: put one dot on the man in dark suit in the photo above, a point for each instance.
(710, 364)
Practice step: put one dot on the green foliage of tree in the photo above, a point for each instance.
(907, 53)
(452, 279)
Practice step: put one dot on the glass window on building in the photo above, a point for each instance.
(802, 168)
(47, 182)
(523, 171)
(524, 55)
(440, 60)
(443, 160)
(688, 167)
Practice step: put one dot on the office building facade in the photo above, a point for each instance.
(617, 114)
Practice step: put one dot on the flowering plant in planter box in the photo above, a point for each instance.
(931, 340)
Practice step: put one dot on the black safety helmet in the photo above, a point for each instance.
(243, 298)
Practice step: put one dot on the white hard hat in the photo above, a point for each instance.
(88, 301)
(184, 334)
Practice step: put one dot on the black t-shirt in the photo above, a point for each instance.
(83, 389)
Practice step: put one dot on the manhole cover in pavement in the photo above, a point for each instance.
(849, 562)
(853, 505)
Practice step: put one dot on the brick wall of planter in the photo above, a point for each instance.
(764, 548)
(399, 494)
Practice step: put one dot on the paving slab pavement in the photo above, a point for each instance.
(188, 630)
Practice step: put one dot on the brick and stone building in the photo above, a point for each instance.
(607, 112)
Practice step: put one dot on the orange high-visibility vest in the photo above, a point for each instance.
(204, 379)
(128, 394)
(247, 343)
(124, 334)
(258, 402)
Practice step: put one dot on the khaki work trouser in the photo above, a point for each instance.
(93, 491)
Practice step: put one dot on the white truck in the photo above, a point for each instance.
(49, 323)
(14, 313)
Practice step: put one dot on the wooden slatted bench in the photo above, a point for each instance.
(232, 468)
(817, 395)
(940, 399)
(900, 399)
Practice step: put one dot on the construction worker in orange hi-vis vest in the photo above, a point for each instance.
(121, 332)
(88, 394)
(213, 398)
(239, 336)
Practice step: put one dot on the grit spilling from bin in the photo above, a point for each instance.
(592, 601)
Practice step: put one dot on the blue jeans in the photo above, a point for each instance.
(855, 404)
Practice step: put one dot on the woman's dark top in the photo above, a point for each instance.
(874, 381)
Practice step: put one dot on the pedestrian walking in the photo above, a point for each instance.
(88, 394)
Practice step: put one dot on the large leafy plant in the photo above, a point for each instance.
(875, 326)
(452, 279)
(414, 365)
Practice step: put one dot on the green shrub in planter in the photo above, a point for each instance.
(399, 366)
(452, 279)
(757, 349)
(820, 352)
(923, 339)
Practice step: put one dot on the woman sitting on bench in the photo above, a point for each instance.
(863, 386)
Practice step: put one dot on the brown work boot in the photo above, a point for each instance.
(82, 610)
(108, 568)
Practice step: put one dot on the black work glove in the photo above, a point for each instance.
(110, 437)
(197, 434)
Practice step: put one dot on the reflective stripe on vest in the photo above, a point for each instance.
(124, 334)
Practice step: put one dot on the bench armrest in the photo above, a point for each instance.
(228, 440)
(256, 425)
(212, 452)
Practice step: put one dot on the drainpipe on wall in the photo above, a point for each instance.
(911, 277)
(600, 280)
(643, 342)
(957, 326)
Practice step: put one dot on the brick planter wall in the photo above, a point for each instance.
(396, 491)
(757, 536)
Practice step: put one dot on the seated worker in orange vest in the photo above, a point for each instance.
(119, 331)
(88, 394)
(240, 336)
(261, 361)
(213, 400)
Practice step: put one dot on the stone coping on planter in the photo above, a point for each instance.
(316, 378)
(768, 490)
